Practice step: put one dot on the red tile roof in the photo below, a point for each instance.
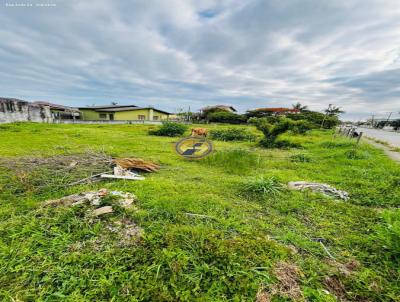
(277, 110)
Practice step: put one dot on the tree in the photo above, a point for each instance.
(271, 131)
(226, 117)
(333, 111)
(300, 107)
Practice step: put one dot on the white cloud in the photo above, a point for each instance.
(179, 53)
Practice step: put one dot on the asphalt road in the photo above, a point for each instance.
(393, 138)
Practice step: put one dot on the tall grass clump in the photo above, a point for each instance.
(389, 234)
(236, 161)
(169, 129)
(272, 131)
(232, 134)
(261, 187)
(300, 158)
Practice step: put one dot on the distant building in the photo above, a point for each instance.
(16, 110)
(60, 112)
(122, 113)
(272, 111)
(218, 108)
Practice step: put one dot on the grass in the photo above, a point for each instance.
(58, 254)
(261, 187)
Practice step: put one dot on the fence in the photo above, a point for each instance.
(138, 122)
(350, 132)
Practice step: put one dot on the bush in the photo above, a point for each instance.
(262, 187)
(226, 117)
(315, 119)
(389, 234)
(356, 154)
(232, 134)
(301, 127)
(272, 131)
(169, 129)
(300, 158)
(237, 161)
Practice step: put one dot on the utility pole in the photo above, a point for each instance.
(390, 114)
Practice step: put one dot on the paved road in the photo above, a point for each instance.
(393, 138)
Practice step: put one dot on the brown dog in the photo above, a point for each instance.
(199, 132)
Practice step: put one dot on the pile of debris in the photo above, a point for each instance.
(95, 200)
(318, 187)
(46, 173)
(102, 202)
(127, 168)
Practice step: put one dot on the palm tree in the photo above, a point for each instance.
(300, 107)
(333, 110)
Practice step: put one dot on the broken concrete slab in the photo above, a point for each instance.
(318, 187)
(125, 199)
(122, 173)
(102, 211)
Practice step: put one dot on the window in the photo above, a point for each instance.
(141, 117)
(103, 115)
(155, 117)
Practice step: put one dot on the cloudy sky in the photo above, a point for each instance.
(179, 53)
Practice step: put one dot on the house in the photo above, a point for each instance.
(272, 111)
(60, 112)
(218, 108)
(16, 110)
(122, 113)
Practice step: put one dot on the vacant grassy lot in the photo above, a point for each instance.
(251, 245)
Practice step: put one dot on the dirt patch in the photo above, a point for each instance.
(41, 173)
(127, 232)
(263, 295)
(334, 286)
(288, 276)
(345, 268)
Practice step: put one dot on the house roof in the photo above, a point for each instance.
(276, 110)
(2, 100)
(107, 106)
(118, 109)
(223, 107)
(132, 108)
(55, 106)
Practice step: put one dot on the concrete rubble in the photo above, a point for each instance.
(122, 173)
(94, 199)
(318, 187)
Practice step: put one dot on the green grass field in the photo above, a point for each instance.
(252, 247)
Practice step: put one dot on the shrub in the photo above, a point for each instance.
(238, 161)
(337, 144)
(232, 134)
(226, 117)
(315, 119)
(301, 127)
(262, 187)
(300, 158)
(169, 129)
(389, 234)
(272, 131)
(356, 154)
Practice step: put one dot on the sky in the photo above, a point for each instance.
(176, 54)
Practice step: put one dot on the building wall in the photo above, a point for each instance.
(133, 115)
(22, 111)
(89, 115)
